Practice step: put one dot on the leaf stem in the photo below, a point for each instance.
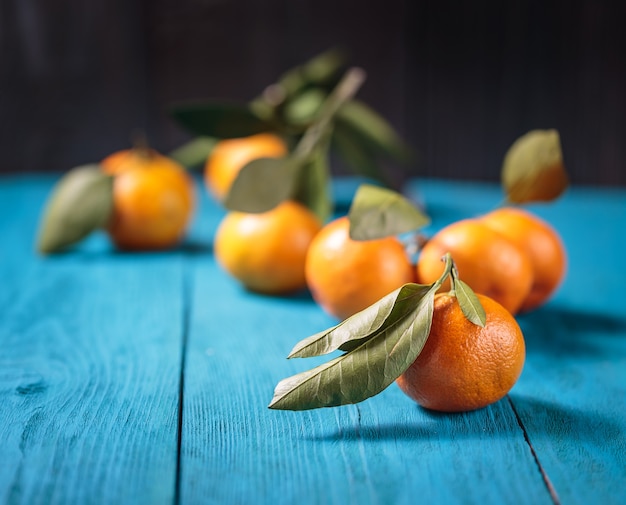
(344, 91)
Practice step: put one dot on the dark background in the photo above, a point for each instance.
(460, 80)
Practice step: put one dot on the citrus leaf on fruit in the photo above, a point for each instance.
(379, 212)
(363, 325)
(469, 303)
(81, 202)
(364, 371)
(263, 183)
(533, 169)
(221, 120)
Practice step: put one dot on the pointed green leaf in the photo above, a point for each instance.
(364, 371)
(363, 325)
(533, 169)
(373, 130)
(220, 120)
(358, 156)
(304, 107)
(379, 212)
(263, 183)
(469, 303)
(81, 202)
(321, 70)
(194, 153)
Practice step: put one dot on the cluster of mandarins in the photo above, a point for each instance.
(509, 254)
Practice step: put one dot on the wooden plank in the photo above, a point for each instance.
(89, 367)
(385, 450)
(571, 396)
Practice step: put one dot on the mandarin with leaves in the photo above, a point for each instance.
(153, 199)
(229, 156)
(266, 251)
(542, 244)
(464, 366)
(346, 275)
(490, 263)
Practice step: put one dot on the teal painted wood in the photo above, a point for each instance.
(571, 397)
(385, 450)
(90, 353)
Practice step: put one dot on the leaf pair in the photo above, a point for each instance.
(304, 175)
(82, 201)
(380, 343)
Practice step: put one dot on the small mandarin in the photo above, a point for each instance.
(485, 259)
(153, 200)
(267, 251)
(542, 245)
(464, 366)
(346, 276)
(229, 156)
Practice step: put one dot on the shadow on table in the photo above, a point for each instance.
(564, 331)
(545, 419)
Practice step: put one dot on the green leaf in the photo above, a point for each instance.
(373, 130)
(359, 156)
(533, 169)
(304, 107)
(81, 202)
(220, 120)
(194, 153)
(364, 371)
(379, 212)
(469, 303)
(313, 188)
(363, 325)
(264, 183)
(322, 70)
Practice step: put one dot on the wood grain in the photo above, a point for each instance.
(385, 450)
(89, 369)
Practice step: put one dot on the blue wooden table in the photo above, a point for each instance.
(145, 379)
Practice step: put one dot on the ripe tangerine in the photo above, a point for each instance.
(464, 366)
(346, 276)
(267, 251)
(153, 199)
(486, 260)
(229, 156)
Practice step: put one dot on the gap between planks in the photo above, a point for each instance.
(544, 475)
(187, 292)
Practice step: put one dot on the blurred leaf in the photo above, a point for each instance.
(220, 120)
(263, 183)
(81, 202)
(304, 107)
(533, 169)
(194, 153)
(378, 212)
(367, 125)
(314, 185)
(359, 156)
(322, 70)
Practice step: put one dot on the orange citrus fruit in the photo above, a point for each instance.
(464, 366)
(542, 244)
(229, 156)
(153, 200)
(346, 276)
(267, 251)
(486, 260)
